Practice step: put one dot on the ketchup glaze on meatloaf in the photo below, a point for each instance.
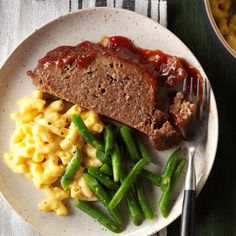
(119, 80)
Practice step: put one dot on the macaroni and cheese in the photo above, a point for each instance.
(225, 21)
(44, 142)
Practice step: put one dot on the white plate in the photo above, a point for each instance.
(89, 24)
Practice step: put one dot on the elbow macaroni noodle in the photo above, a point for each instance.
(225, 22)
(44, 142)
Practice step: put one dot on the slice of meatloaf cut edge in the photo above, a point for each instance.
(181, 110)
(112, 87)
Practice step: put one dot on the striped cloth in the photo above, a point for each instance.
(155, 9)
(20, 17)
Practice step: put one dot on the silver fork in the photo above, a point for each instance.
(194, 132)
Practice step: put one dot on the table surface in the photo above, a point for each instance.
(216, 205)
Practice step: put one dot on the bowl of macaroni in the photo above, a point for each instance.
(222, 18)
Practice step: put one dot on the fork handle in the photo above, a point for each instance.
(188, 208)
(188, 213)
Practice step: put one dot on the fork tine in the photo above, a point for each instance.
(206, 95)
(198, 100)
(198, 91)
(185, 86)
(191, 94)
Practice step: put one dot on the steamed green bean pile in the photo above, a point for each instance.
(119, 180)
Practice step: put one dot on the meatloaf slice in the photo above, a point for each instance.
(115, 87)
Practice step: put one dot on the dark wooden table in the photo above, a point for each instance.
(216, 205)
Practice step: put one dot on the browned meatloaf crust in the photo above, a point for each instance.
(118, 86)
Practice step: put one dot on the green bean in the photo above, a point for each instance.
(101, 156)
(99, 216)
(134, 209)
(152, 178)
(178, 171)
(143, 201)
(83, 130)
(126, 135)
(71, 168)
(169, 169)
(128, 181)
(142, 149)
(102, 178)
(106, 169)
(108, 140)
(116, 163)
(164, 204)
(103, 197)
